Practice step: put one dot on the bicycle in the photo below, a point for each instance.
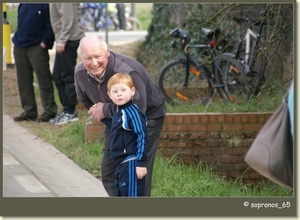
(250, 52)
(188, 81)
(132, 23)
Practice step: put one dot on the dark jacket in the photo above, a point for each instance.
(33, 26)
(128, 134)
(148, 97)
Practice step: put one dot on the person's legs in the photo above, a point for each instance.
(108, 167)
(154, 131)
(63, 76)
(69, 60)
(25, 82)
(121, 15)
(56, 76)
(39, 58)
(63, 73)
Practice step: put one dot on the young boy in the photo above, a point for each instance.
(128, 137)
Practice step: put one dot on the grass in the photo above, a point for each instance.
(143, 13)
(268, 99)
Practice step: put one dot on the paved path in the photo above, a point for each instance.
(34, 168)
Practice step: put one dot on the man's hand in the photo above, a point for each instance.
(96, 111)
(60, 48)
(43, 45)
(141, 172)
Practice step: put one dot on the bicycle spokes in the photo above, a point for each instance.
(184, 83)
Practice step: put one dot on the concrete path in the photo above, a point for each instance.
(45, 165)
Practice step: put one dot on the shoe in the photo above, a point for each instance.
(64, 118)
(24, 117)
(57, 118)
(45, 117)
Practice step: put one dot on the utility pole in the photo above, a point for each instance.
(6, 39)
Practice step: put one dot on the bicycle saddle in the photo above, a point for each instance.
(211, 33)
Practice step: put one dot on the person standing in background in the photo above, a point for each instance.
(65, 20)
(32, 40)
(121, 15)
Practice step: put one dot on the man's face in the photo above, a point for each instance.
(95, 59)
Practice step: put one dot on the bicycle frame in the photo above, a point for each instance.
(190, 58)
(250, 33)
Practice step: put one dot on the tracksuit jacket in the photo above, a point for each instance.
(128, 135)
(91, 90)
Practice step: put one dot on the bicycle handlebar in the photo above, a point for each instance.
(184, 35)
(247, 20)
(254, 22)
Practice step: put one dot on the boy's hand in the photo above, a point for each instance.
(141, 172)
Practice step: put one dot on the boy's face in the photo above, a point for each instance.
(120, 94)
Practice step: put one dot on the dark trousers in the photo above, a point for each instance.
(127, 183)
(108, 167)
(121, 16)
(28, 60)
(63, 74)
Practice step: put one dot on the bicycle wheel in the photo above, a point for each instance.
(133, 23)
(231, 80)
(179, 89)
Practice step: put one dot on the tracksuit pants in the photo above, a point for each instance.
(108, 167)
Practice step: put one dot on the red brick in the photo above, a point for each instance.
(261, 118)
(207, 151)
(240, 166)
(212, 118)
(252, 127)
(195, 119)
(179, 119)
(188, 119)
(170, 119)
(176, 144)
(221, 118)
(229, 159)
(236, 118)
(204, 118)
(214, 127)
(233, 127)
(177, 128)
(244, 118)
(166, 151)
(252, 118)
(174, 136)
(196, 127)
(228, 118)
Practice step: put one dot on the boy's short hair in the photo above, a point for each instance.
(120, 78)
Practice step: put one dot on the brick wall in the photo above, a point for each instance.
(220, 139)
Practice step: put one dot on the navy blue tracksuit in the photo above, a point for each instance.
(128, 148)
